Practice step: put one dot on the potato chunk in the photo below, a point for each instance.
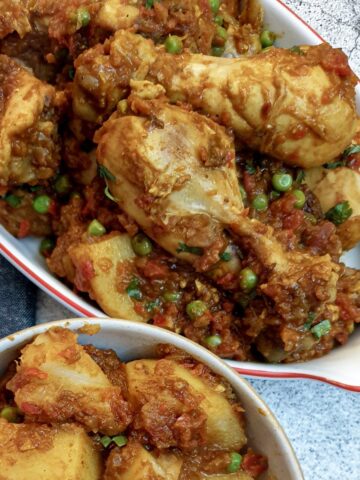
(34, 452)
(135, 463)
(29, 146)
(151, 381)
(332, 186)
(57, 381)
(112, 263)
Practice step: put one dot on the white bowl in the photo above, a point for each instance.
(132, 340)
(340, 367)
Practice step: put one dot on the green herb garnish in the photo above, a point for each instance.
(332, 165)
(321, 329)
(183, 248)
(119, 440)
(311, 317)
(108, 194)
(225, 256)
(133, 289)
(351, 150)
(106, 174)
(339, 213)
(150, 306)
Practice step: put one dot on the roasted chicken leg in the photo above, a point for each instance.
(173, 171)
(278, 102)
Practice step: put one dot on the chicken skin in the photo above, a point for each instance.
(28, 127)
(278, 102)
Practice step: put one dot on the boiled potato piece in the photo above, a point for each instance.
(40, 452)
(135, 463)
(223, 427)
(111, 259)
(332, 186)
(57, 381)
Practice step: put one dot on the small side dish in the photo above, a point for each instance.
(76, 412)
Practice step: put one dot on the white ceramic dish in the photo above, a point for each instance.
(341, 367)
(133, 340)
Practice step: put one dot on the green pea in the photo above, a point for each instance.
(96, 229)
(172, 297)
(41, 204)
(62, 185)
(47, 245)
(247, 279)
(214, 5)
(219, 20)
(120, 440)
(300, 198)
(11, 414)
(235, 462)
(267, 39)
(217, 51)
(221, 32)
(141, 245)
(282, 182)
(213, 341)
(260, 202)
(173, 44)
(83, 17)
(196, 309)
(13, 200)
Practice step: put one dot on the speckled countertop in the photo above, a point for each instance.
(321, 421)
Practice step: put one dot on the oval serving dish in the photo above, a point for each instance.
(339, 367)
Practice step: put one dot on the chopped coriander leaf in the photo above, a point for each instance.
(300, 176)
(321, 329)
(351, 150)
(108, 194)
(133, 289)
(149, 3)
(183, 248)
(250, 169)
(13, 200)
(120, 440)
(106, 174)
(150, 306)
(105, 441)
(225, 256)
(339, 213)
(332, 165)
(311, 317)
(296, 49)
(217, 51)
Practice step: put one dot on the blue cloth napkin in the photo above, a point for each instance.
(17, 300)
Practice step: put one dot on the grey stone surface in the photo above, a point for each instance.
(322, 422)
(337, 21)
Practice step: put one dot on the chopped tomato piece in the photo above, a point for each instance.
(24, 228)
(254, 464)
